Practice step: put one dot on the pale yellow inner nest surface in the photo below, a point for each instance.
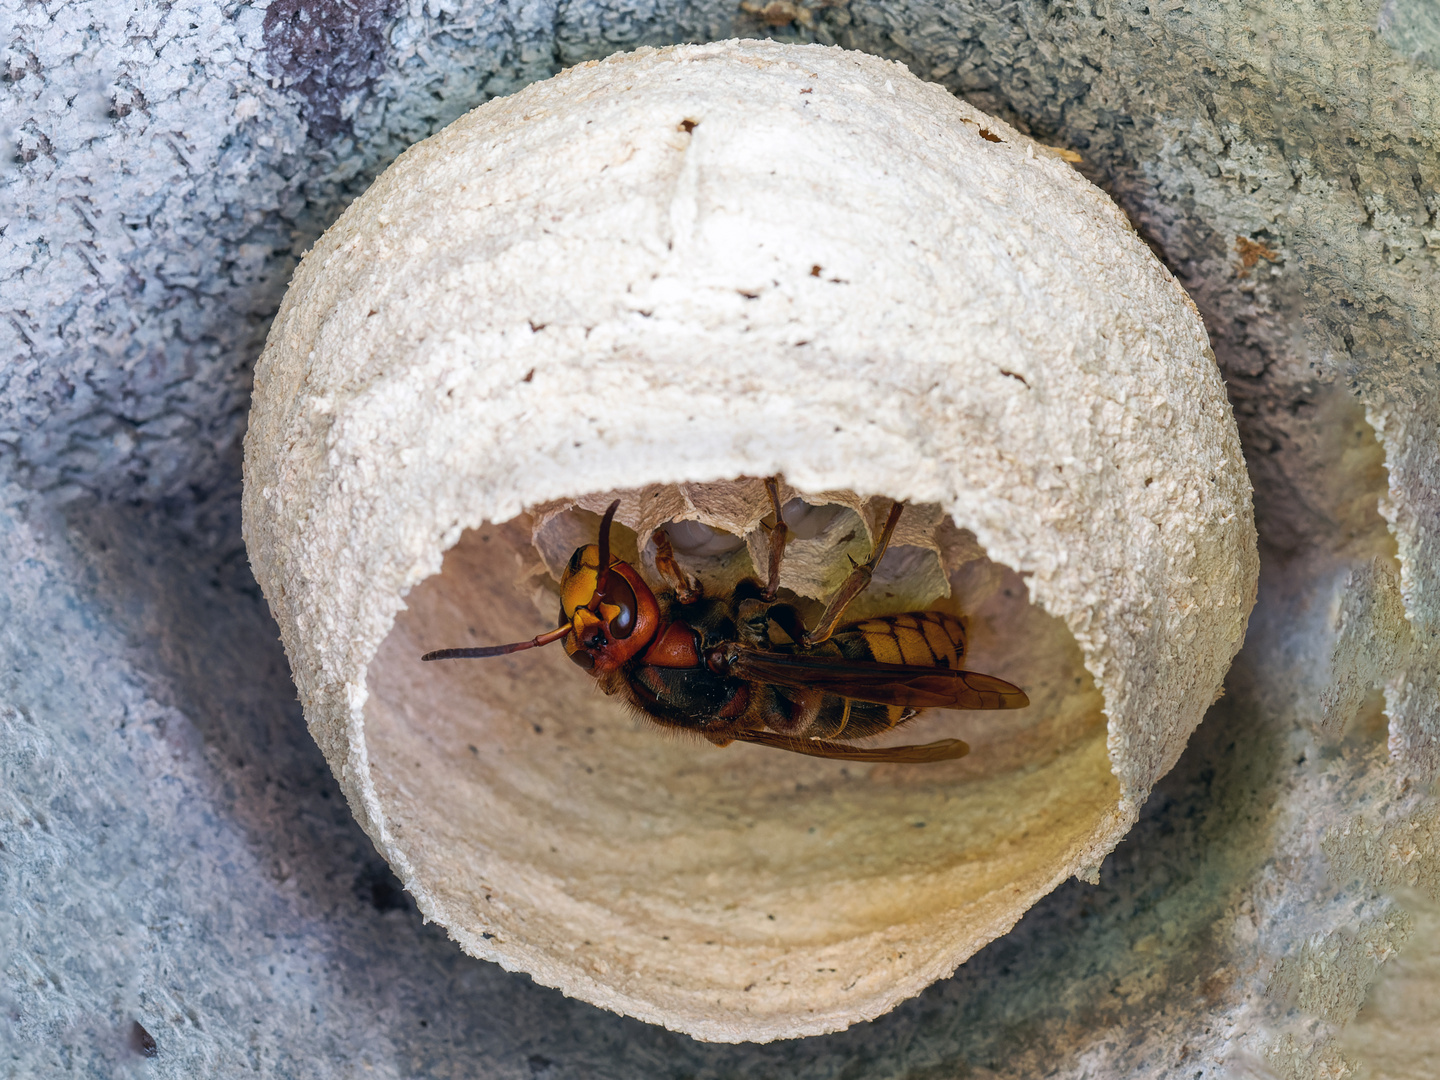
(547, 817)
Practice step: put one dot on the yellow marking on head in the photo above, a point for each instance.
(582, 621)
(577, 587)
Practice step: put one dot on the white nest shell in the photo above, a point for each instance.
(695, 264)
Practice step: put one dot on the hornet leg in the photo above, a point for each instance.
(855, 584)
(777, 540)
(686, 591)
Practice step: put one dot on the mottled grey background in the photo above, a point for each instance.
(172, 848)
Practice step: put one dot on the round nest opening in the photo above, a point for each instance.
(748, 881)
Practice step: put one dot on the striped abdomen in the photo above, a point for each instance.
(922, 638)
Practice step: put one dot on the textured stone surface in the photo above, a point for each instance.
(157, 190)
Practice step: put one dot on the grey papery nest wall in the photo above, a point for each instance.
(176, 853)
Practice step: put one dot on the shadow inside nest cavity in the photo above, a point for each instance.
(1097, 958)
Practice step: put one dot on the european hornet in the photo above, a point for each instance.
(745, 666)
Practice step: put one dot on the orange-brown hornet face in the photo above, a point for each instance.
(604, 636)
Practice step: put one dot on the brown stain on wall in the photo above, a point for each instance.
(1251, 252)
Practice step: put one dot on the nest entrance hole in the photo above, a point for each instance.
(535, 809)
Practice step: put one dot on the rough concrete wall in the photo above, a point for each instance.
(173, 850)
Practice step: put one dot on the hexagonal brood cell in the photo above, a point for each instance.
(652, 278)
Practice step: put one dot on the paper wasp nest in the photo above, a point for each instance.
(656, 276)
